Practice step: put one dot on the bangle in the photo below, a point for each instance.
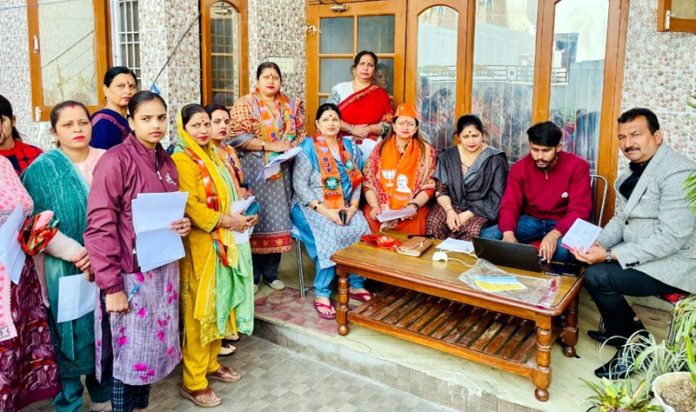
(414, 204)
(234, 222)
(263, 146)
(448, 210)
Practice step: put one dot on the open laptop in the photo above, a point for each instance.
(520, 256)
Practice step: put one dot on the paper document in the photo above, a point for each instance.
(155, 243)
(273, 166)
(12, 256)
(241, 206)
(366, 147)
(76, 297)
(388, 215)
(498, 283)
(456, 245)
(581, 235)
(242, 237)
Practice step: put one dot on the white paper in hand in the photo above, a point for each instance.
(12, 256)
(76, 297)
(388, 214)
(240, 206)
(581, 235)
(273, 167)
(155, 243)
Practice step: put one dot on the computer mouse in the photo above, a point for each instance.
(440, 256)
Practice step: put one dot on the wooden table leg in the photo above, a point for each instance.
(342, 310)
(542, 371)
(570, 330)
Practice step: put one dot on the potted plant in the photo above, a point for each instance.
(620, 396)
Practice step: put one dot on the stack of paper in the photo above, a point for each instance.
(498, 283)
(273, 167)
(76, 297)
(155, 243)
(456, 245)
(11, 254)
(241, 206)
(581, 235)
(388, 214)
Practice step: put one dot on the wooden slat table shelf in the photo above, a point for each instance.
(426, 303)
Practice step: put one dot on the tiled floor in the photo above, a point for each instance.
(276, 379)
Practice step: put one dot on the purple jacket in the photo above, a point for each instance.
(124, 171)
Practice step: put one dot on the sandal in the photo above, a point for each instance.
(227, 348)
(325, 311)
(198, 397)
(225, 374)
(361, 296)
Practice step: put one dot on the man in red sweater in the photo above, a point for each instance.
(546, 191)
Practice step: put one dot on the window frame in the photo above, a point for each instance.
(667, 23)
(102, 53)
(117, 58)
(206, 49)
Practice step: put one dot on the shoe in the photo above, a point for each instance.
(603, 337)
(617, 368)
(277, 285)
(256, 288)
(227, 348)
(233, 337)
(361, 296)
(100, 406)
(318, 306)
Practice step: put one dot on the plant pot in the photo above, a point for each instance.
(665, 382)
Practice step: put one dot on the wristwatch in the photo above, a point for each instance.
(608, 257)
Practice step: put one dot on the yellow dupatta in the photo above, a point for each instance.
(223, 246)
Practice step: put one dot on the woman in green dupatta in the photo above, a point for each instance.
(59, 180)
(216, 292)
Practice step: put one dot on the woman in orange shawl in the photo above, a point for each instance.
(399, 175)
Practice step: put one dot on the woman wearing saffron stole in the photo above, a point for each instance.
(28, 368)
(59, 181)
(327, 182)
(399, 175)
(110, 126)
(137, 320)
(266, 123)
(471, 178)
(215, 286)
(219, 129)
(365, 107)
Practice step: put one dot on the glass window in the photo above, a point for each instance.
(578, 73)
(66, 47)
(384, 74)
(437, 74)
(336, 35)
(334, 71)
(224, 35)
(126, 34)
(503, 78)
(684, 9)
(376, 33)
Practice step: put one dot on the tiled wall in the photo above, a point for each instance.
(277, 29)
(660, 73)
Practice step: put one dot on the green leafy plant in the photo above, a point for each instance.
(691, 361)
(620, 395)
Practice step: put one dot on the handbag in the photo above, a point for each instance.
(415, 246)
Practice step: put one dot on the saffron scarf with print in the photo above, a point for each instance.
(330, 175)
(218, 198)
(272, 129)
(398, 171)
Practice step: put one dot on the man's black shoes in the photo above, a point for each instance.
(603, 337)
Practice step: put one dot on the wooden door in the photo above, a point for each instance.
(336, 33)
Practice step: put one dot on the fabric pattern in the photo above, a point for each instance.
(145, 341)
(21, 155)
(436, 225)
(272, 233)
(370, 105)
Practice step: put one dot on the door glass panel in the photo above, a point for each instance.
(503, 78)
(437, 74)
(66, 40)
(336, 35)
(334, 71)
(578, 73)
(684, 9)
(224, 32)
(384, 74)
(376, 33)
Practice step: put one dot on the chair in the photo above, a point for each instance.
(595, 182)
(295, 233)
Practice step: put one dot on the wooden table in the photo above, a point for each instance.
(426, 303)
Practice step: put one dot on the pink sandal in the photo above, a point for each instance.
(361, 296)
(318, 306)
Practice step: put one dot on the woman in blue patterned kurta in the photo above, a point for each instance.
(326, 180)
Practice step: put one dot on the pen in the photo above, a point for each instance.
(133, 291)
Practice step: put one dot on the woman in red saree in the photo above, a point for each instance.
(365, 107)
(399, 175)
